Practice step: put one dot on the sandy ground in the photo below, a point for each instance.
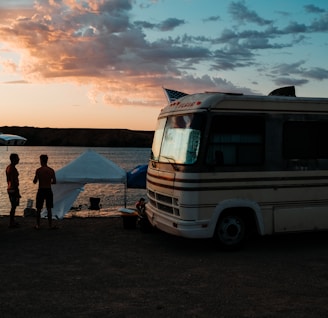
(95, 268)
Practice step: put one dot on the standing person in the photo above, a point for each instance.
(46, 177)
(13, 188)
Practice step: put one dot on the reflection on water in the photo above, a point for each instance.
(111, 195)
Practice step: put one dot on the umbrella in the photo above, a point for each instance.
(12, 140)
(136, 178)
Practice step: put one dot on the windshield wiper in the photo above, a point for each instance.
(172, 162)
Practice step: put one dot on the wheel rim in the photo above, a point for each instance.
(231, 230)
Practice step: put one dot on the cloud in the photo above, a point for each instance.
(212, 19)
(317, 73)
(295, 27)
(284, 73)
(16, 82)
(8, 65)
(288, 81)
(98, 43)
(313, 9)
(166, 25)
(170, 24)
(242, 14)
(146, 25)
(321, 24)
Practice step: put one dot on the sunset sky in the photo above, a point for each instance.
(102, 64)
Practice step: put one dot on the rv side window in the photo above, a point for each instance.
(305, 140)
(236, 140)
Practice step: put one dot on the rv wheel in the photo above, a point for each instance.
(230, 231)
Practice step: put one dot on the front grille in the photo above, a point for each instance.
(163, 202)
(164, 198)
(165, 208)
(151, 194)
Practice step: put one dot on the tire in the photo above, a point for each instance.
(230, 232)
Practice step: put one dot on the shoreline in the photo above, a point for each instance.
(102, 213)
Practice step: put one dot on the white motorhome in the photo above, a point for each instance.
(228, 165)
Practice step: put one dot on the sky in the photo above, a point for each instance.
(103, 64)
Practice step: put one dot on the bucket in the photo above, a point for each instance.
(29, 204)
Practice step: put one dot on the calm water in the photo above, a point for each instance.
(111, 195)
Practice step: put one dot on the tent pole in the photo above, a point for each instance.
(125, 186)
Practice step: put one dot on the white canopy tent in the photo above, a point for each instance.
(89, 167)
(12, 140)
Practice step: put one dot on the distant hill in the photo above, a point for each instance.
(82, 137)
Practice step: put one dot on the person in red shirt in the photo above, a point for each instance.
(140, 206)
(46, 177)
(13, 188)
(143, 221)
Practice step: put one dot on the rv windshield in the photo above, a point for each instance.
(177, 139)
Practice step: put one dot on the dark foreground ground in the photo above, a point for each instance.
(96, 268)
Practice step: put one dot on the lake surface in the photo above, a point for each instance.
(111, 195)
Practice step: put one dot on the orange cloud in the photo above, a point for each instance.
(96, 43)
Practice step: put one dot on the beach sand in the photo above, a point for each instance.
(93, 267)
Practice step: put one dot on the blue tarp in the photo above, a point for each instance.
(136, 178)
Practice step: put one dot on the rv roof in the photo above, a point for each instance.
(235, 102)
